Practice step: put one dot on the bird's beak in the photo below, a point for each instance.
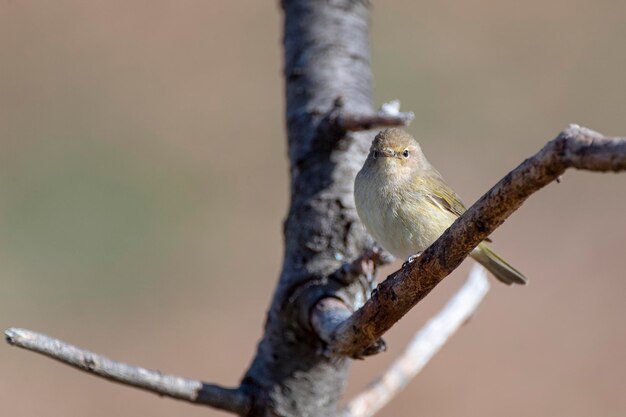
(388, 152)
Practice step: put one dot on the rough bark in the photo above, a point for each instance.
(327, 69)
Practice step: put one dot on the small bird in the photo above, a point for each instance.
(406, 205)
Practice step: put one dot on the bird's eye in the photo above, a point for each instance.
(375, 154)
(405, 153)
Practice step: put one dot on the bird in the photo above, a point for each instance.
(405, 204)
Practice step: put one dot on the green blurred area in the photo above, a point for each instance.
(143, 181)
(93, 220)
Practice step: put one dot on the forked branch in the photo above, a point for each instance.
(197, 392)
(575, 147)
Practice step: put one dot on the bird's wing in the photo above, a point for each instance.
(443, 196)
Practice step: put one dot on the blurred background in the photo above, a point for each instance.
(143, 181)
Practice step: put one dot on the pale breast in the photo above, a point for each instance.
(401, 224)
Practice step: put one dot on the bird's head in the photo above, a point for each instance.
(396, 152)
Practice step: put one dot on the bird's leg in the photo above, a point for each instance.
(411, 259)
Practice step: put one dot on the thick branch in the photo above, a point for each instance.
(576, 147)
(424, 345)
(197, 392)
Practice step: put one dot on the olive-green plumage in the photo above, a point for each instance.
(406, 205)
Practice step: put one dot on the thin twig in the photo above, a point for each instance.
(575, 147)
(197, 392)
(389, 115)
(424, 345)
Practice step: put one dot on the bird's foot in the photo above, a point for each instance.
(411, 259)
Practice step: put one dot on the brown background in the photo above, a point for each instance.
(143, 181)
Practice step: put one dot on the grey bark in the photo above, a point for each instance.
(326, 69)
(196, 392)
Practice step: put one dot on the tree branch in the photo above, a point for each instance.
(389, 115)
(196, 392)
(424, 345)
(329, 312)
(575, 147)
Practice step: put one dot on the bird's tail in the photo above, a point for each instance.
(497, 266)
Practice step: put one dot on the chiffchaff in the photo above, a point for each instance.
(406, 205)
